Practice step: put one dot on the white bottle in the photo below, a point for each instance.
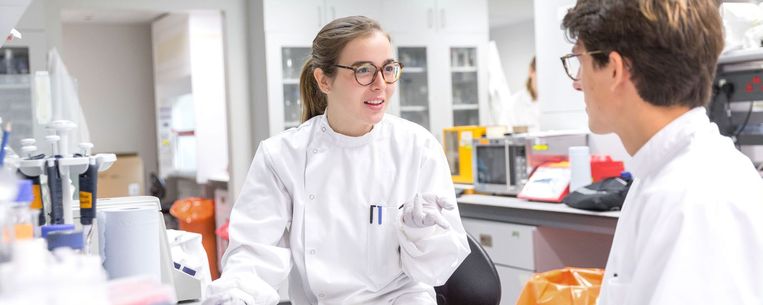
(580, 167)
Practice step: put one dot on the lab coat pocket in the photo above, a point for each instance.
(614, 292)
(383, 247)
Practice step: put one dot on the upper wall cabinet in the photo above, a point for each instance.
(441, 43)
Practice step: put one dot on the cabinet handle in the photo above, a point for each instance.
(430, 18)
(442, 18)
(320, 17)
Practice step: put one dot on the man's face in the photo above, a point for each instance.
(596, 84)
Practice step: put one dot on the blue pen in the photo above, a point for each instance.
(6, 134)
(380, 213)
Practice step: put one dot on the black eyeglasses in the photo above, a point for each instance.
(571, 63)
(365, 72)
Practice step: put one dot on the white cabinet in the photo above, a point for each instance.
(401, 16)
(512, 282)
(507, 244)
(511, 247)
(442, 44)
(289, 16)
(458, 16)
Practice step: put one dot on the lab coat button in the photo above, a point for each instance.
(311, 196)
(321, 295)
(323, 129)
(312, 252)
(315, 150)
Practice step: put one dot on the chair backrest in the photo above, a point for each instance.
(475, 282)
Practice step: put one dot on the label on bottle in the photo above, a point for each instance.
(85, 200)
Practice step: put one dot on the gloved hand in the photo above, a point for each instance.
(425, 210)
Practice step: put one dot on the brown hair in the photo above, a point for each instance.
(529, 83)
(670, 46)
(327, 46)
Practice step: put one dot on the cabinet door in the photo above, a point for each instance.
(343, 8)
(405, 16)
(414, 85)
(292, 60)
(294, 15)
(464, 85)
(513, 280)
(507, 243)
(458, 16)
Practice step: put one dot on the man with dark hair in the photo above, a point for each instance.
(691, 229)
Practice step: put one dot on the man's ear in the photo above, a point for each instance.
(324, 82)
(619, 67)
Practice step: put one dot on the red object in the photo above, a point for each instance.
(198, 215)
(603, 167)
(222, 231)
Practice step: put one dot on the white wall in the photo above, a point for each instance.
(562, 106)
(113, 68)
(516, 47)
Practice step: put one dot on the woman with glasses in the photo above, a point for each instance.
(354, 206)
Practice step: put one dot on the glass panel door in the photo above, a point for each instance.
(463, 69)
(292, 60)
(414, 91)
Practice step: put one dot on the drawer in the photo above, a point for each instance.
(512, 282)
(507, 244)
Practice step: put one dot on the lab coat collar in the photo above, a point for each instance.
(347, 141)
(665, 143)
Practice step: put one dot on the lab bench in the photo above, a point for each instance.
(524, 237)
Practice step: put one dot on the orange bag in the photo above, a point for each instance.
(568, 286)
(198, 215)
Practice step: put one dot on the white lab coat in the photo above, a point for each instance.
(305, 209)
(691, 228)
(517, 110)
(526, 112)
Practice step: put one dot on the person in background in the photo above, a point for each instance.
(321, 205)
(691, 228)
(526, 112)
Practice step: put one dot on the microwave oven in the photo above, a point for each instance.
(500, 165)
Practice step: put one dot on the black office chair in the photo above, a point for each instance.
(475, 282)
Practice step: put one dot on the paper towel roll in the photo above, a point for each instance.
(580, 167)
(129, 242)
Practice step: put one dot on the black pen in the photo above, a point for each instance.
(371, 217)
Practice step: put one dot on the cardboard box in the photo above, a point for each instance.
(123, 178)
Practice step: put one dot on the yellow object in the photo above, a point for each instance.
(568, 286)
(457, 142)
(85, 200)
(36, 199)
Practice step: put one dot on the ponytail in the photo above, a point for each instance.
(313, 99)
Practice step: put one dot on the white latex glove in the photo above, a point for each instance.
(425, 210)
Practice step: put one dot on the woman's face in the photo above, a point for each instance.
(351, 106)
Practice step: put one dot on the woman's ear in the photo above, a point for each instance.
(324, 82)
